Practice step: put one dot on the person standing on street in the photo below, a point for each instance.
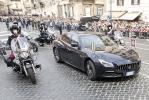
(60, 24)
(7, 23)
(1, 19)
(26, 23)
(33, 24)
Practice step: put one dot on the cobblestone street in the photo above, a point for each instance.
(63, 82)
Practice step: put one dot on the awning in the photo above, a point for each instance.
(129, 16)
(115, 15)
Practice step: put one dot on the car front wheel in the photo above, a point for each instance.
(91, 71)
(56, 55)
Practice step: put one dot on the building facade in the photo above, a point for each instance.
(2, 7)
(14, 7)
(138, 7)
(66, 8)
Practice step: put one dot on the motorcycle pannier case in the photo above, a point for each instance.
(8, 60)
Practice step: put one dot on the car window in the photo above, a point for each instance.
(74, 39)
(66, 38)
(99, 40)
(107, 41)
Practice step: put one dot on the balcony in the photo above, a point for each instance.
(34, 6)
(41, 1)
(15, 0)
(15, 9)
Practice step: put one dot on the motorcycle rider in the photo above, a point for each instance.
(16, 31)
(43, 30)
(109, 28)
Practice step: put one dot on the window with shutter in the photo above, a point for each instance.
(120, 2)
(135, 2)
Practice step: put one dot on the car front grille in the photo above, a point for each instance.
(129, 67)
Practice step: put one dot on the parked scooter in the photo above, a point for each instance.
(22, 58)
(30, 39)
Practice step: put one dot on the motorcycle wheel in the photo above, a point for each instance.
(3, 52)
(35, 47)
(31, 75)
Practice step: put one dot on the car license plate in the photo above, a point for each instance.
(130, 73)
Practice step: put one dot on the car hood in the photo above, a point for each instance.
(115, 53)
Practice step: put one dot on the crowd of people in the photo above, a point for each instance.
(71, 24)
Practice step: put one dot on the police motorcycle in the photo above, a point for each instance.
(43, 39)
(22, 58)
(46, 35)
(117, 37)
(33, 44)
(52, 34)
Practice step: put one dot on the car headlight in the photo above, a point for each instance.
(24, 55)
(105, 63)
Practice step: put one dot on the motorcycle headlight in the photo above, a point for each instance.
(31, 52)
(55, 35)
(24, 55)
(29, 37)
(34, 58)
(139, 57)
(105, 63)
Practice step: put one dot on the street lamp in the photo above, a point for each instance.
(111, 9)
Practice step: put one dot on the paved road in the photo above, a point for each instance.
(63, 82)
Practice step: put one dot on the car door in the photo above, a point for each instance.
(65, 40)
(76, 57)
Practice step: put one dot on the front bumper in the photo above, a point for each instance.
(118, 70)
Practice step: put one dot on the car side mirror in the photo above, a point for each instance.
(74, 44)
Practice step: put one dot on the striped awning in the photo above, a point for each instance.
(129, 16)
(115, 15)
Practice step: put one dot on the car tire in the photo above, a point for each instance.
(91, 71)
(56, 55)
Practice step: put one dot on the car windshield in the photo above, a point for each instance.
(99, 40)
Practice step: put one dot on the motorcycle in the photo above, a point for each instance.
(2, 48)
(30, 39)
(117, 37)
(22, 58)
(47, 38)
(52, 34)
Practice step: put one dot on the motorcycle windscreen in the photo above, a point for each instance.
(117, 35)
(19, 44)
(24, 32)
(51, 30)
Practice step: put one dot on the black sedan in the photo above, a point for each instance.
(106, 60)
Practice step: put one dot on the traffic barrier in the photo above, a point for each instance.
(141, 33)
(132, 30)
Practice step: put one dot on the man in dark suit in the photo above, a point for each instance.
(7, 23)
(60, 23)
